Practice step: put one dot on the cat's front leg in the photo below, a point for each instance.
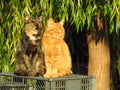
(48, 64)
(48, 73)
(55, 64)
(51, 67)
(54, 73)
(21, 68)
(51, 74)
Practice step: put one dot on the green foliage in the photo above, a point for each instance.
(115, 13)
(115, 56)
(78, 12)
(12, 19)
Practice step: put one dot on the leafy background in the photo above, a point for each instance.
(77, 14)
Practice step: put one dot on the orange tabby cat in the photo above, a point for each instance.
(57, 55)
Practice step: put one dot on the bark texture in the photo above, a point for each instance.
(99, 62)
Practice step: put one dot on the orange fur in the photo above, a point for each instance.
(57, 55)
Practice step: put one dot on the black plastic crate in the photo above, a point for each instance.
(71, 82)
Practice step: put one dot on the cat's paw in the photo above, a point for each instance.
(61, 74)
(50, 75)
(54, 75)
(47, 75)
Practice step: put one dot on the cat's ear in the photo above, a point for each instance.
(39, 21)
(40, 18)
(50, 21)
(26, 18)
(62, 22)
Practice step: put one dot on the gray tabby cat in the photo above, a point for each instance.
(29, 56)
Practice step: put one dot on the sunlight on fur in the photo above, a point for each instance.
(57, 55)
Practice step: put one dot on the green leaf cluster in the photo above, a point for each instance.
(81, 13)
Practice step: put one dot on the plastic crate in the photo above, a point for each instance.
(72, 82)
(13, 86)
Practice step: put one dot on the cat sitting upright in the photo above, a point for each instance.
(29, 56)
(57, 55)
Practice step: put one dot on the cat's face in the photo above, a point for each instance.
(55, 30)
(33, 29)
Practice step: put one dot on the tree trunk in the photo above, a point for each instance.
(99, 62)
